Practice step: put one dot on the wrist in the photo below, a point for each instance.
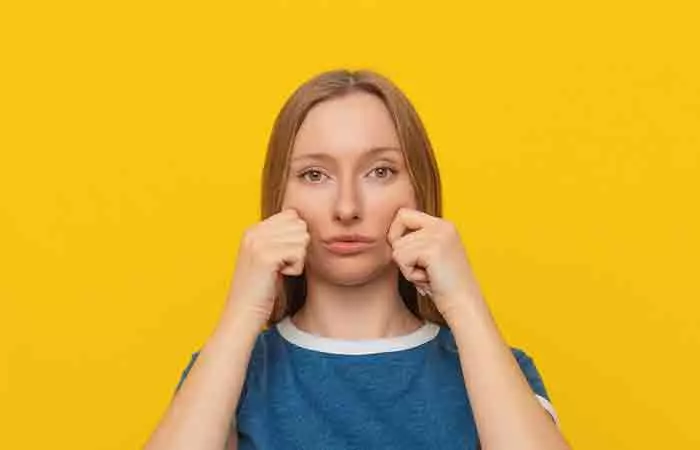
(240, 324)
(466, 311)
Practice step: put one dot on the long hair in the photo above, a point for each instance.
(416, 148)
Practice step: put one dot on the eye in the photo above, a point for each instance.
(383, 171)
(312, 175)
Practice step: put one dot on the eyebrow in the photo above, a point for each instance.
(327, 157)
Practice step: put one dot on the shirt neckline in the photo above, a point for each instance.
(309, 341)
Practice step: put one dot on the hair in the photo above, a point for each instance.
(416, 148)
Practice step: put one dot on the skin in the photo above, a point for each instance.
(348, 175)
(354, 297)
(357, 297)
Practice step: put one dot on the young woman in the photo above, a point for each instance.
(353, 319)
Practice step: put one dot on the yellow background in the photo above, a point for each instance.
(132, 137)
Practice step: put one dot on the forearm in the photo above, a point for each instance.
(200, 413)
(507, 414)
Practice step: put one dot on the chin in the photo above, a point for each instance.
(350, 271)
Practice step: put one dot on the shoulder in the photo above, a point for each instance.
(266, 345)
(525, 362)
(263, 345)
(446, 341)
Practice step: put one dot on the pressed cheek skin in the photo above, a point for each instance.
(344, 132)
(382, 207)
(311, 206)
(379, 206)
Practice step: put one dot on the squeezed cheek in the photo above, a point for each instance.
(383, 208)
(295, 198)
(308, 205)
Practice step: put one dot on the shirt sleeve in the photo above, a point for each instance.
(534, 379)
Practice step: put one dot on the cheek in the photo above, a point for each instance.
(308, 205)
(389, 201)
(382, 208)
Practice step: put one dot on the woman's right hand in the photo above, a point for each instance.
(271, 248)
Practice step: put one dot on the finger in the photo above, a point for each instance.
(398, 227)
(407, 219)
(407, 271)
(410, 264)
(291, 213)
(419, 275)
(286, 214)
(410, 240)
(284, 255)
(424, 289)
(295, 269)
(287, 210)
(293, 265)
(282, 215)
(287, 234)
(413, 250)
(414, 274)
(287, 222)
(290, 241)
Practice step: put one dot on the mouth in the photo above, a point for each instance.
(348, 246)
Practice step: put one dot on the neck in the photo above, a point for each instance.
(372, 310)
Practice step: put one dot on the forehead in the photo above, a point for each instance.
(346, 126)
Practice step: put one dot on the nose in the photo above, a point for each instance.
(347, 205)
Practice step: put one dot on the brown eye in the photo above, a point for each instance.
(313, 175)
(383, 172)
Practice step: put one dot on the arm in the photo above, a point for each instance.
(201, 411)
(232, 443)
(507, 414)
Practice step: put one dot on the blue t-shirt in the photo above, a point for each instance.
(304, 391)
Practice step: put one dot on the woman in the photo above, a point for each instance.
(377, 333)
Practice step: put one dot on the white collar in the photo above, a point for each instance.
(309, 341)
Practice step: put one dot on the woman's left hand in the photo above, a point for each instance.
(432, 257)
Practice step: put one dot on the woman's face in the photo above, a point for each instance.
(347, 179)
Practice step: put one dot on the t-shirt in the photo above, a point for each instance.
(304, 391)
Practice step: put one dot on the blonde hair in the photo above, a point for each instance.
(416, 148)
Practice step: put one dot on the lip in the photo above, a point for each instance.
(348, 244)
